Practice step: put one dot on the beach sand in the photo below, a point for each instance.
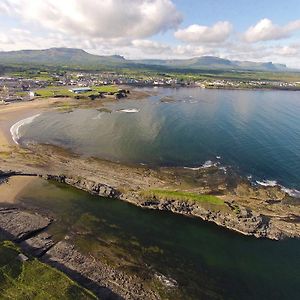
(10, 190)
(9, 115)
(14, 112)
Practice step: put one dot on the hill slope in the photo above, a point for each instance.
(78, 57)
(57, 56)
(212, 62)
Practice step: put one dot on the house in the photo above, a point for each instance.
(31, 95)
(81, 90)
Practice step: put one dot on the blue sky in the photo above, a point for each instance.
(243, 13)
(254, 30)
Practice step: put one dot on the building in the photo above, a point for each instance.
(81, 90)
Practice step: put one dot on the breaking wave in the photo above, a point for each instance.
(129, 110)
(291, 192)
(15, 129)
(206, 165)
(267, 182)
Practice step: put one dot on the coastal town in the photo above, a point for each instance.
(27, 86)
(149, 150)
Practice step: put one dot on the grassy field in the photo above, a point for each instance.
(37, 75)
(184, 196)
(34, 280)
(105, 88)
(54, 91)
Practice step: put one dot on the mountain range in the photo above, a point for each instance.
(71, 57)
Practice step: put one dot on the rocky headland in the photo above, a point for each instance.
(266, 212)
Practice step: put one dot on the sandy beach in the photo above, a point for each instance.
(10, 190)
(14, 112)
(9, 115)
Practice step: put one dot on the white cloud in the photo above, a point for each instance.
(107, 27)
(109, 19)
(291, 50)
(265, 30)
(5, 7)
(151, 47)
(218, 33)
(189, 51)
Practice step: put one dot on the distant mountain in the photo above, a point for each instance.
(81, 58)
(58, 56)
(215, 63)
(204, 61)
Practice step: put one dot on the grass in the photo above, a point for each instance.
(5, 154)
(105, 88)
(184, 196)
(41, 76)
(54, 91)
(34, 280)
(64, 92)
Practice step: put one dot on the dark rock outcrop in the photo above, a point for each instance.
(235, 218)
(107, 282)
(98, 276)
(38, 245)
(90, 186)
(20, 225)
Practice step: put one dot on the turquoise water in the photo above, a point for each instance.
(257, 132)
(207, 262)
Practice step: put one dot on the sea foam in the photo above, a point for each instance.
(206, 165)
(129, 110)
(15, 129)
(291, 192)
(267, 182)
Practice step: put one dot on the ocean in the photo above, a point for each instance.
(255, 131)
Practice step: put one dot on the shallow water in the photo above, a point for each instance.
(207, 262)
(257, 132)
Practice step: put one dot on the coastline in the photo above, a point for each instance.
(14, 112)
(126, 182)
(255, 211)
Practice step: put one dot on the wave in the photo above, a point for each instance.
(291, 192)
(224, 169)
(15, 129)
(194, 169)
(129, 110)
(267, 182)
(209, 164)
(206, 165)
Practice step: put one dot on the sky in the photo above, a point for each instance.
(261, 31)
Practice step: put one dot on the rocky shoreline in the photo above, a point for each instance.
(262, 212)
(236, 217)
(232, 216)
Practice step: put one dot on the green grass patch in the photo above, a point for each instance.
(34, 280)
(105, 88)
(54, 91)
(184, 196)
(22, 94)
